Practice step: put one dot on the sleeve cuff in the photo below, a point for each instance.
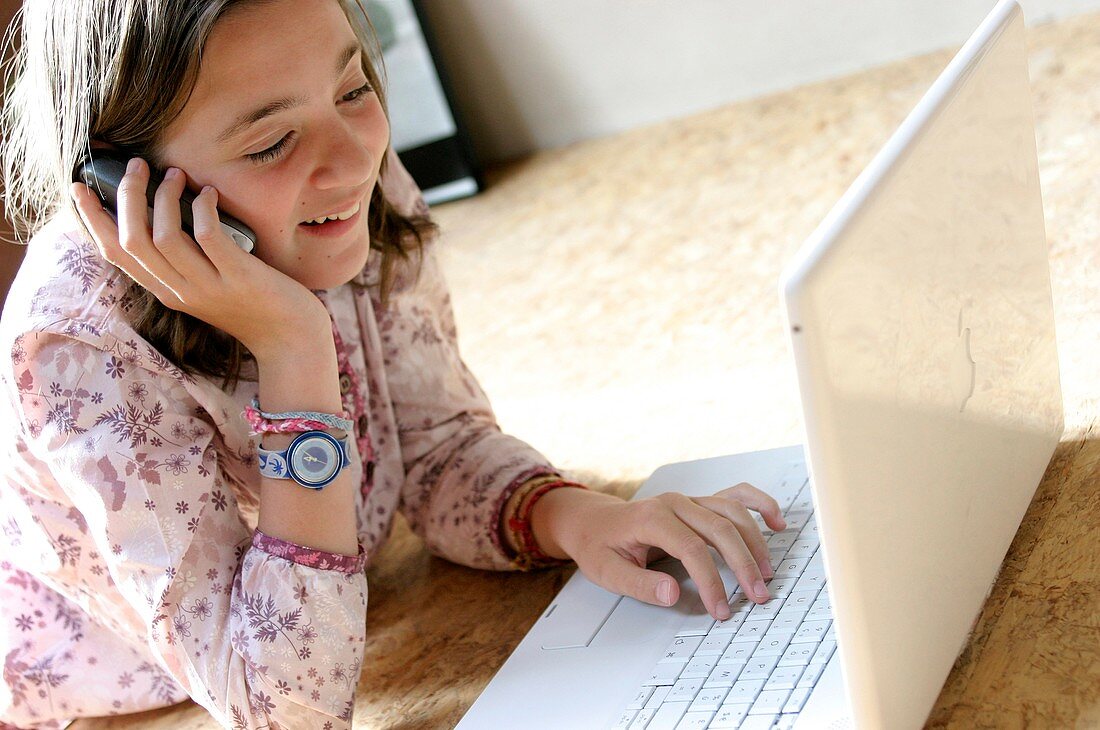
(309, 557)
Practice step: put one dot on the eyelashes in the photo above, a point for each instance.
(275, 150)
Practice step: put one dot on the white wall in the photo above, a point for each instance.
(537, 74)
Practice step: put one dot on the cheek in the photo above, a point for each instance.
(376, 126)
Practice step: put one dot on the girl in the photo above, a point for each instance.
(161, 388)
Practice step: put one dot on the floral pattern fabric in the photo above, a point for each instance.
(132, 575)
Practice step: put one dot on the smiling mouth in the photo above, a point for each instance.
(342, 215)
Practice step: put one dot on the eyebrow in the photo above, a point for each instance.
(282, 104)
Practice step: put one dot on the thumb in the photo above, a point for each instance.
(628, 579)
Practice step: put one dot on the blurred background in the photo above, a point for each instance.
(644, 168)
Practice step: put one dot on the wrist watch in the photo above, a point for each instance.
(313, 459)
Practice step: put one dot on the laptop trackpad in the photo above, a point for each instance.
(575, 615)
(637, 622)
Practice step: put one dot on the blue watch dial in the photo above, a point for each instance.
(313, 460)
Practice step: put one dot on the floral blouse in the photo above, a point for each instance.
(132, 575)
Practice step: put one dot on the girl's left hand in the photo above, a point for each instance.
(612, 541)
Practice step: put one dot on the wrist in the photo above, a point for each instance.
(299, 329)
(555, 512)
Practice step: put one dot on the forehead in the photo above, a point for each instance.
(261, 50)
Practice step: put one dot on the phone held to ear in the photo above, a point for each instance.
(103, 171)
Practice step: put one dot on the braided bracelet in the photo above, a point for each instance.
(293, 421)
(531, 555)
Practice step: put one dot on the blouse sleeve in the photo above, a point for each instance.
(259, 632)
(460, 468)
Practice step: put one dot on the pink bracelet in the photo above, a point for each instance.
(293, 421)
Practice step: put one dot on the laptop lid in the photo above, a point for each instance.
(922, 326)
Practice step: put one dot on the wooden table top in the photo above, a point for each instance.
(560, 274)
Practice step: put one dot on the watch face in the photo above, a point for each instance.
(314, 460)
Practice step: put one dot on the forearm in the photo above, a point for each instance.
(323, 519)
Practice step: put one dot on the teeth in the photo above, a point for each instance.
(341, 216)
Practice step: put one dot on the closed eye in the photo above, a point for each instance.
(273, 151)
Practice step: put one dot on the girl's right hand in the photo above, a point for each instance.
(209, 276)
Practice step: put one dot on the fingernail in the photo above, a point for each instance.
(761, 590)
(664, 592)
(133, 165)
(171, 173)
(782, 524)
(722, 611)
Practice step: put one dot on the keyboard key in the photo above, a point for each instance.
(758, 722)
(695, 721)
(714, 644)
(810, 676)
(797, 699)
(783, 539)
(699, 667)
(802, 549)
(774, 643)
(759, 667)
(783, 678)
(681, 649)
(797, 655)
(818, 560)
(696, 624)
(658, 696)
(644, 693)
(819, 613)
(684, 690)
(788, 623)
(766, 610)
(643, 718)
(709, 700)
(667, 716)
(730, 625)
(810, 631)
(626, 720)
(800, 599)
(810, 582)
(780, 587)
(804, 502)
(729, 716)
(724, 675)
(745, 690)
(751, 631)
(785, 722)
(821, 656)
(769, 702)
(797, 520)
(664, 674)
(737, 653)
(791, 567)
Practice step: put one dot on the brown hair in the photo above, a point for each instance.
(101, 69)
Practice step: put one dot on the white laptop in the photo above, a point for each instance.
(922, 329)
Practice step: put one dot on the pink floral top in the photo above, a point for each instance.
(132, 575)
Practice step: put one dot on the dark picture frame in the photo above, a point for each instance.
(425, 129)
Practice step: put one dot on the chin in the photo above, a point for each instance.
(335, 272)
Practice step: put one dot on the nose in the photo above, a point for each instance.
(343, 159)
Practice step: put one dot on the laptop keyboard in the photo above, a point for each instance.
(756, 669)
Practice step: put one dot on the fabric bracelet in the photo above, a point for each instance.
(530, 554)
(293, 421)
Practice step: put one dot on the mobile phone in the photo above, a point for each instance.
(102, 171)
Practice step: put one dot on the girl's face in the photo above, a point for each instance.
(283, 124)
